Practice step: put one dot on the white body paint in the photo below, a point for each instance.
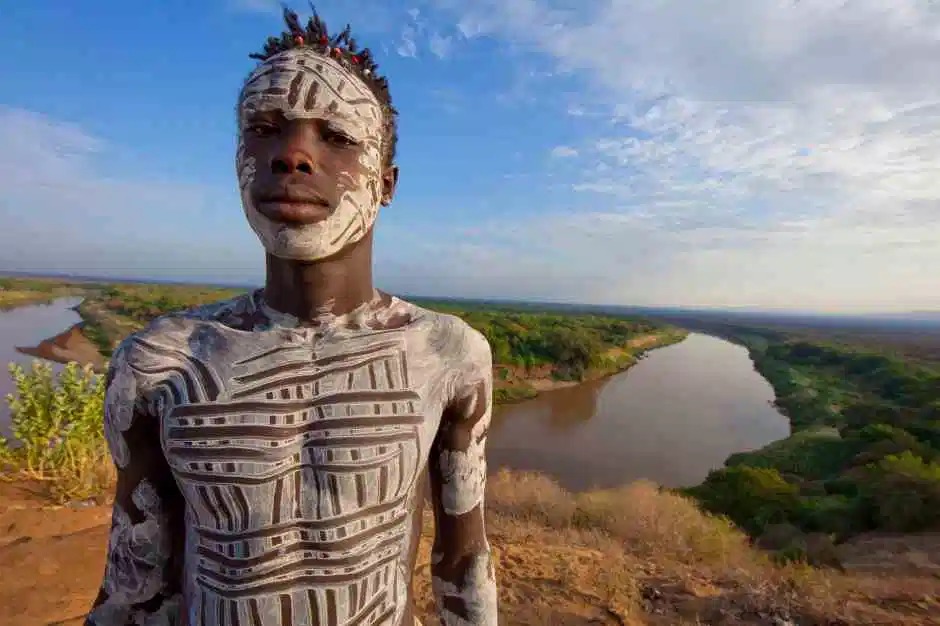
(136, 556)
(298, 452)
(477, 593)
(326, 90)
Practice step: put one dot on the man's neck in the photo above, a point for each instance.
(336, 285)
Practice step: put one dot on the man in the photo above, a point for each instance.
(271, 450)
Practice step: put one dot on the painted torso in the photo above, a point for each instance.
(298, 452)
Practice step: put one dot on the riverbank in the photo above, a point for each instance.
(68, 346)
(14, 299)
(515, 384)
(17, 292)
(631, 556)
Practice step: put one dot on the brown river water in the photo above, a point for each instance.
(671, 418)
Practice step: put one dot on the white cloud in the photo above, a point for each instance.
(778, 153)
(440, 45)
(563, 152)
(407, 46)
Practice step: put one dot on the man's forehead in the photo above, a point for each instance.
(303, 84)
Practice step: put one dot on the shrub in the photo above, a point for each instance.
(812, 454)
(837, 514)
(903, 493)
(751, 497)
(57, 430)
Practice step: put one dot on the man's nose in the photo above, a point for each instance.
(292, 161)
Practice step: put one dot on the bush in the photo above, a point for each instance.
(903, 493)
(513, 393)
(751, 497)
(837, 514)
(57, 431)
(812, 454)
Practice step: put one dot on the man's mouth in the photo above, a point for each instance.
(294, 208)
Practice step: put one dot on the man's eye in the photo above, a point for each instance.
(262, 130)
(339, 138)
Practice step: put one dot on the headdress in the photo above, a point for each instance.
(315, 36)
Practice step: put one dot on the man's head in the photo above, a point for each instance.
(317, 135)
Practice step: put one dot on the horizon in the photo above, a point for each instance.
(770, 157)
(506, 301)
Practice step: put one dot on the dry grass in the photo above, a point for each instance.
(640, 555)
(638, 566)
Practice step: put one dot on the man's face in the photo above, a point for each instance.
(310, 156)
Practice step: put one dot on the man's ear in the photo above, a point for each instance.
(389, 184)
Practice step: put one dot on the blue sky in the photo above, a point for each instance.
(773, 155)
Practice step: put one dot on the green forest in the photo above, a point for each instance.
(864, 453)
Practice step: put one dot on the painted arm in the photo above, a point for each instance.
(143, 569)
(463, 578)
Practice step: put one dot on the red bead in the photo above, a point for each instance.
(323, 39)
(336, 52)
(354, 59)
(298, 40)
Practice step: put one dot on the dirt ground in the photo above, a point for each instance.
(561, 560)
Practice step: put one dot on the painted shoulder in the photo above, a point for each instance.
(176, 330)
(450, 337)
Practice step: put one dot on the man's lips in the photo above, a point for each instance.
(294, 208)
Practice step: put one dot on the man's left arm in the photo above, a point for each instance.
(461, 564)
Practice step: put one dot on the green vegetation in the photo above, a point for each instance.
(514, 393)
(16, 292)
(865, 452)
(570, 344)
(57, 434)
(142, 303)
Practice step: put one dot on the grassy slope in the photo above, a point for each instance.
(633, 555)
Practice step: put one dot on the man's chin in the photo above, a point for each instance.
(298, 242)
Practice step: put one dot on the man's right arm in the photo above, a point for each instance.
(143, 570)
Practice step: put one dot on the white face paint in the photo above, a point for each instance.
(302, 84)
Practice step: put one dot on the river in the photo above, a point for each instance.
(671, 418)
(26, 326)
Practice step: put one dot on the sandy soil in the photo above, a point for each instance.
(69, 345)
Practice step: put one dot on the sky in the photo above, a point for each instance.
(773, 154)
